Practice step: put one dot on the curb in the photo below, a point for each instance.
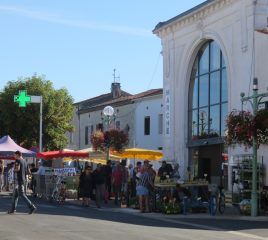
(160, 215)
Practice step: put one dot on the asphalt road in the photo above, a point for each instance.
(75, 222)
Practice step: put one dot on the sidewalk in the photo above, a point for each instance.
(231, 212)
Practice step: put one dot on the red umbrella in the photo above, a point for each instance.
(62, 154)
(7, 158)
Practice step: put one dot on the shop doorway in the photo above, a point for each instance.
(204, 168)
(206, 162)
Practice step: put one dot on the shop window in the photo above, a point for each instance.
(86, 135)
(117, 125)
(208, 93)
(147, 126)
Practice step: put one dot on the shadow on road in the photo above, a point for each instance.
(112, 214)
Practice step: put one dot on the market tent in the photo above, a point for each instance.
(140, 153)
(8, 147)
(62, 154)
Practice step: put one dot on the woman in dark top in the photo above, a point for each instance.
(85, 185)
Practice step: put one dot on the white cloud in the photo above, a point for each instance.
(57, 19)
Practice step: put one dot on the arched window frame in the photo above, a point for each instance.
(202, 113)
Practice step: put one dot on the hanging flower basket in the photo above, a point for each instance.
(97, 141)
(261, 120)
(261, 126)
(113, 139)
(240, 128)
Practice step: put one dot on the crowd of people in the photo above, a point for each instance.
(106, 182)
(122, 182)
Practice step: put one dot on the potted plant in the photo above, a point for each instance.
(205, 135)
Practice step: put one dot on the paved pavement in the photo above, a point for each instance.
(231, 212)
(72, 221)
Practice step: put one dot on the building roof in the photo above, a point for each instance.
(149, 93)
(101, 101)
(101, 98)
(190, 11)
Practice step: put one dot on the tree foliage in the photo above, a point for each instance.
(22, 124)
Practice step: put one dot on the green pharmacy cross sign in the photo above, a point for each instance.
(22, 98)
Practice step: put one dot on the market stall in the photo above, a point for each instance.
(8, 147)
(178, 196)
(61, 182)
(138, 153)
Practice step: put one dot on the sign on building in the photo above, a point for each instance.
(167, 111)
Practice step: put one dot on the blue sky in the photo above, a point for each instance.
(77, 44)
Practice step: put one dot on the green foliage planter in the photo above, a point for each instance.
(134, 203)
(171, 208)
(245, 207)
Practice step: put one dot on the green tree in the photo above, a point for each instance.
(22, 124)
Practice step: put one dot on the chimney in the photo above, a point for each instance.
(116, 89)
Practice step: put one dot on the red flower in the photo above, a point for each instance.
(113, 138)
(242, 127)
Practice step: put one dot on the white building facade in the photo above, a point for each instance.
(139, 115)
(211, 54)
(149, 121)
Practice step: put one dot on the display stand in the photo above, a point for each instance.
(242, 178)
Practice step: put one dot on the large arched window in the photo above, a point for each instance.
(208, 93)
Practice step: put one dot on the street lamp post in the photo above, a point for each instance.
(23, 99)
(254, 101)
(109, 115)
